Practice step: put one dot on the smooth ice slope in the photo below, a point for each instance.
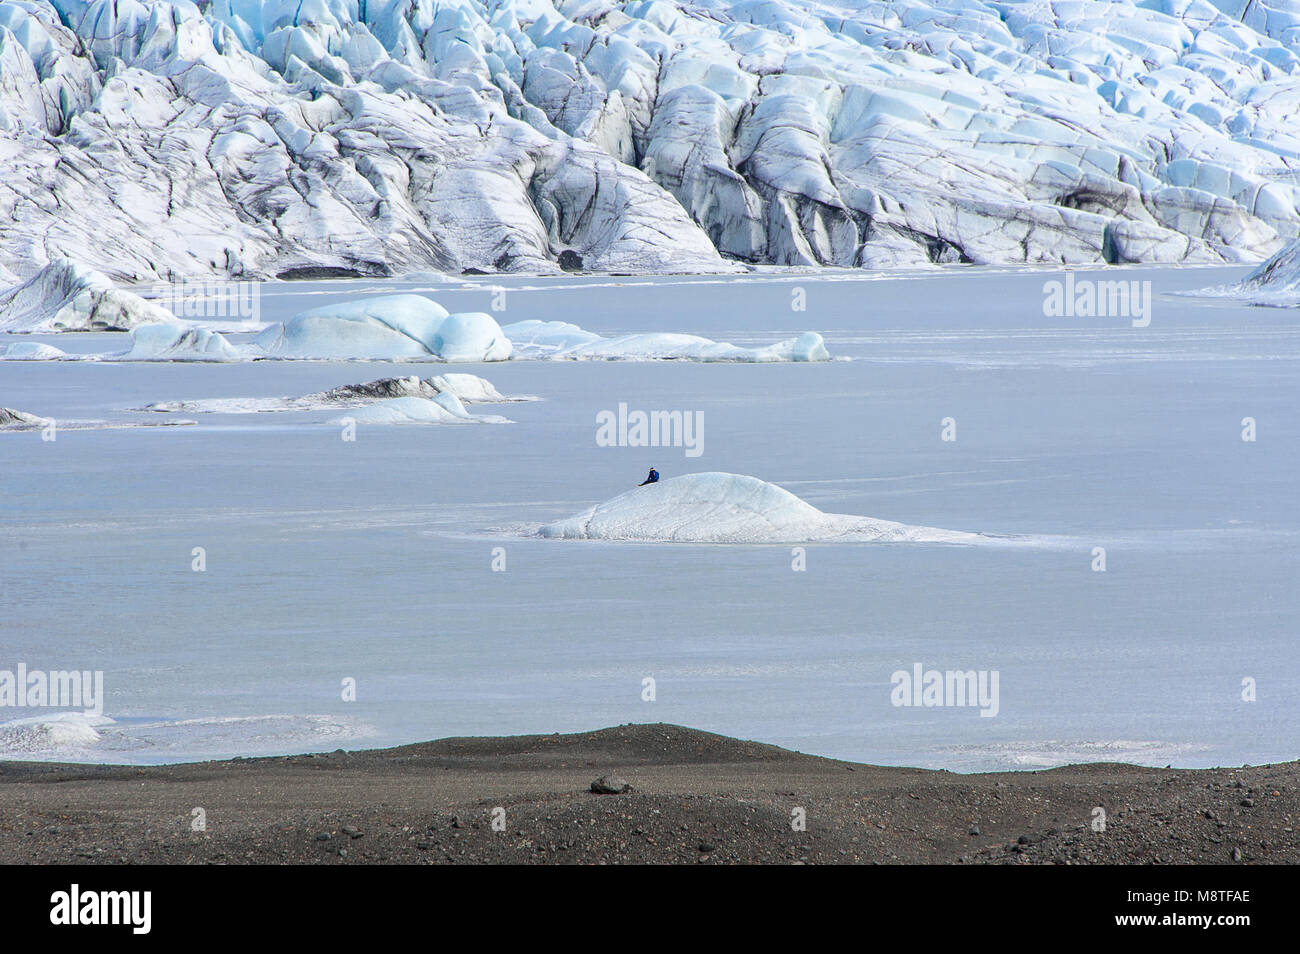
(731, 508)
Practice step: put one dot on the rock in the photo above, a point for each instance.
(1247, 803)
(324, 836)
(974, 830)
(1236, 854)
(610, 785)
(570, 261)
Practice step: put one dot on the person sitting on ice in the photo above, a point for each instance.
(652, 479)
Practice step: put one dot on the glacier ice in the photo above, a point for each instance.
(565, 341)
(19, 419)
(445, 408)
(169, 341)
(11, 420)
(1276, 282)
(467, 389)
(731, 508)
(64, 296)
(260, 138)
(385, 327)
(30, 351)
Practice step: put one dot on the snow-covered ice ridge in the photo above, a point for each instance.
(244, 138)
(732, 508)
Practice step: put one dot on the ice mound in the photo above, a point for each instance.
(56, 734)
(564, 341)
(64, 296)
(445, 408)
(387, 327)
(30, 351)
(731, 508)
(175, 342)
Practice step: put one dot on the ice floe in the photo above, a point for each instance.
(30, 351)
(11, 420)
(445, 408)
(564, 341)
(732, 508)
(468, 388)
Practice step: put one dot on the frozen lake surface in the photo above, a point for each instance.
(372, 560)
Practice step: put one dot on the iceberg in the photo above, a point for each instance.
(19, 420)
(446, 408)
(11, 420)
(385, 328)
(468, 388)
(1275, 283)
(732, 508)
(176, 342)
(64, 296)
(30, 351)
(564, 341)
(60, 734)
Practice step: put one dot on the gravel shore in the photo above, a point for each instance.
(694, 798)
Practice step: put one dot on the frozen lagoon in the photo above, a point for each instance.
(368, 560)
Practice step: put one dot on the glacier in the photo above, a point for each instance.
(732, 508)
(315, 138)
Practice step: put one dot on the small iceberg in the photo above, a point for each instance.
(386, 328)
(58, 734)
(469, 388)
(65, 296)
(11, 420)
(445, 408)
(561, 340)
(175, 342)
(30, 351)
(1275, 283)
(732, 508)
